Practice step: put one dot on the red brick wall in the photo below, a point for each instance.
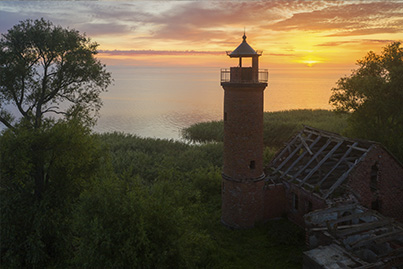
(242, 185)
(304, 197)
(389, 184)
(242, 203)
(243, 130)
(274, 201)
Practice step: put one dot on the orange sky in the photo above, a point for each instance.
(156, 33)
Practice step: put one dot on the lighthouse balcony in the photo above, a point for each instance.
(244, 75)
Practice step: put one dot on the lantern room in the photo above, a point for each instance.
(241, 74)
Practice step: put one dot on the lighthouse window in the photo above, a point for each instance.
(252, 165)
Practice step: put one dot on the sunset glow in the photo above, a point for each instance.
(181, 33)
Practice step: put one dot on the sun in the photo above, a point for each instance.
(309, 60)
(310, 63)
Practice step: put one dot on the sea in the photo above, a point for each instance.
(160, 102)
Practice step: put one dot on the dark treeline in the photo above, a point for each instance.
(120, 201)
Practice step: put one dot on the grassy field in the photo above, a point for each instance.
(278, 126)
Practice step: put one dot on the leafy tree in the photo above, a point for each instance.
(373, 94)
(37, 233)
(46, 69)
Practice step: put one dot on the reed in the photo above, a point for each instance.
(278, 126)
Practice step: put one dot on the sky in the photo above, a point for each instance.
(197, 33)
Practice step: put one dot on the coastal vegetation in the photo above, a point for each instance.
(277, 126)
(116, 200)
(70, 198)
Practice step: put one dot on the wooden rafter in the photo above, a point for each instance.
(312, 159)
(341, 179)
(309, 160)
(300, 157)
(285, 149)
(336, 165)
(321, 162)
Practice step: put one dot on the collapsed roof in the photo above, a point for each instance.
(357, 238)
(318, 161)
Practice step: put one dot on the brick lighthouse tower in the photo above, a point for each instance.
(242, 177)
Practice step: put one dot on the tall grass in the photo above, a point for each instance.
(277, 128)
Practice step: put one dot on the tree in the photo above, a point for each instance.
(373, 94)
(46, 69)
(38, 233)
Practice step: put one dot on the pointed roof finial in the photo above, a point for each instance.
(243, 50)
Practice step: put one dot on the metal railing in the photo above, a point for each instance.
(263, 76)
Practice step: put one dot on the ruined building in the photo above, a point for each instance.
(347, 193)
(315, 170)
(352, 236)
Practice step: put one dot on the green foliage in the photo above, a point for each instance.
(46, 69)
(276, 244)
(268, 154)
(277, 128)
(373, 94)
(36, 232)
(120, 201)
(205, 132)
(151, 158)
(119, 225)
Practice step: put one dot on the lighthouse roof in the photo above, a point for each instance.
(243, 50)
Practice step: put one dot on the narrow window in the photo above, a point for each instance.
(309, 206)
(374, 177)
(252, 165)
(225, 116)
(295, 201)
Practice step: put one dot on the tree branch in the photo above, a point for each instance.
(6, 123)
(54, 111)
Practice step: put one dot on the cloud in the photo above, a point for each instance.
(368, 31)
(210, 25)
(359, 42)
(336, 43)
(280, 54)
(158, 52)
(347, 19)
(203, 21)
(99, 29)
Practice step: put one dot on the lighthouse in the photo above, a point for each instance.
(243, 176)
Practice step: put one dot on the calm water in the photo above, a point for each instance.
(159, 102)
